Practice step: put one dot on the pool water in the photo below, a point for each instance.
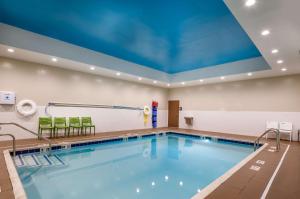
(171, 166)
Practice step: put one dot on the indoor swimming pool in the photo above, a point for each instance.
(171, 165)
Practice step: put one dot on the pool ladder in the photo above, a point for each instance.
(30, 131)
(13, 141)
(277, 133)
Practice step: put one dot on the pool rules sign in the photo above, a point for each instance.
(7, 97)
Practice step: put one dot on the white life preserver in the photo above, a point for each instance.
(26, 112)
(146, 110)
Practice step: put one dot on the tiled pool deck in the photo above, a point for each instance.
(245, 183)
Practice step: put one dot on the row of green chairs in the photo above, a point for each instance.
(80, 125)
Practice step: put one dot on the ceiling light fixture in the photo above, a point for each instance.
(118, 73)
(92, 68)
(250, 3)
(154, 81)
(140, 78)
(10, 50)
(284, 69)
(274, 51)
(249, 74)
(54, 59)
(265, 32)
(279, 61)
(183, 83)
(222, 78)
(168, 85)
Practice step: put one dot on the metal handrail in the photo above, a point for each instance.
(13, 140)
(272, 130)
(30, 131)
(58, 104)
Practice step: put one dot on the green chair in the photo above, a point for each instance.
(74, 123)
(45, 123)
(86, 122)
(60, 123)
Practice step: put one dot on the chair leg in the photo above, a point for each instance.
(39, 133)
(94, 131)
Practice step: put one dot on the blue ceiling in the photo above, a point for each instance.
(168, 35)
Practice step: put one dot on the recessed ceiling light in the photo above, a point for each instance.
(168, 85)
(284, 69)
(154, 81)
(92, 68)
(249, 74)
(274, 51)
(222, 78)
(201, 80)
(140, 78)
(265, 32)
(250, 3)
(118, 73)
(54, 59)
(183, 83)
(10, 50)
(279, 61)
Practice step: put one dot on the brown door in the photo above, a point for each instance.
(173, 116)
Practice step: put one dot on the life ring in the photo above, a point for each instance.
(26, 112)
(146, 110)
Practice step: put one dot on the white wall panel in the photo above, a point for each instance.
(250, 123)
(104, 119)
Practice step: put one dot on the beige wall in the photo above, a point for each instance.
(280, 94)
(44, 83)
(241, 107)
